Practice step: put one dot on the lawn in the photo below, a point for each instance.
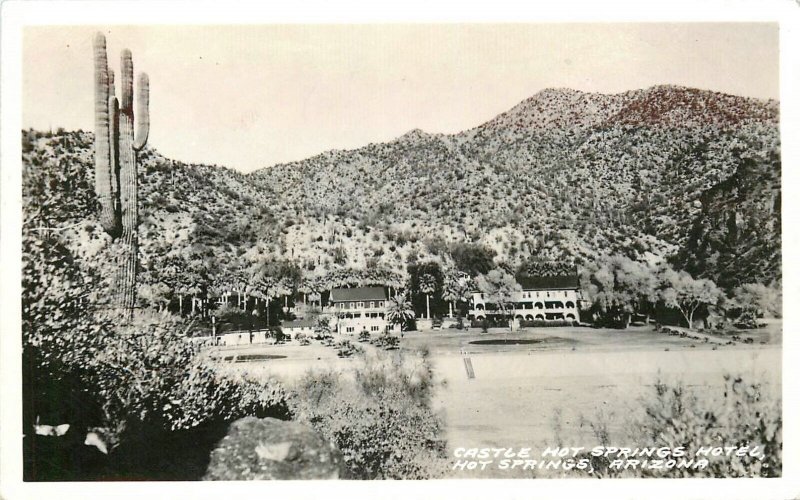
(551, 387)
(551, 392)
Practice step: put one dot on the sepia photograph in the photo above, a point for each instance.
(399, 251)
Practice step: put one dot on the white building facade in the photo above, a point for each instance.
(545, 298)
(360, 309)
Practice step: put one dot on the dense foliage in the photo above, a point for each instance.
(382, 420)
(81, 369)
(616, 288)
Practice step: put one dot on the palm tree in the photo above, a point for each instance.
(427, 284)
(455, 289)
(400, 310)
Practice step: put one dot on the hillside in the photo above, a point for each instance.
(564, 175)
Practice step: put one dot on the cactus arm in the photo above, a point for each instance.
(113, 141)
(126, 82)
(102, 152)
(142, 112)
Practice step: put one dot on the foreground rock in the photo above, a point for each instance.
(267, 448)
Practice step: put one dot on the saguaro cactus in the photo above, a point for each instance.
(116, 146)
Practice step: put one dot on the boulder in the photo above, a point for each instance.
(267, 448)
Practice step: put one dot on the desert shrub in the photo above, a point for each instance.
(747, 320)
(346, 349)
(83, 369)
(381, 420)
(744, 414)
(160, 379)
(387, 341)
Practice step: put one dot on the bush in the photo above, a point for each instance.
(387, 341)
(347, 349)
(742, 415)
(364, 336)
(381, 421)
(126, 382)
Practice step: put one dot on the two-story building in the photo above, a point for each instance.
(543, 298)
(360, 309)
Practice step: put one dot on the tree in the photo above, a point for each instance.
(323, 326)
(499, 288)
(427, 285)
(473, 259)
(420, 286)
(400, 311)
(683, 292)
(455, 289)
(758, 300)
(274, 279)
(617, 287)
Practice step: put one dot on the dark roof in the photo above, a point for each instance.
(298, 323)
(568, 282)
(360, 293)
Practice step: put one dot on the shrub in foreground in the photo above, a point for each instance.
(126, 386)
(381, 419)
(744, 414)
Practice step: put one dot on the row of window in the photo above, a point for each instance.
(530, 295)
(531, 305)
(352, 329)
(359, 305)
(358, 315)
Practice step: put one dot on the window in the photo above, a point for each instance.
(350, 329)
(361, 305)
(371, 305)
(380, 304)
(565, 293)
(375, 328)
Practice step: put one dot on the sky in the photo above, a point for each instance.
(248, 97)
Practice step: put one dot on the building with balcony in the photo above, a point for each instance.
(360, 309)
(543, 298)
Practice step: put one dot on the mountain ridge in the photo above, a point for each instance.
(570, 193)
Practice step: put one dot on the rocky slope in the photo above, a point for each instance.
(660, 173)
